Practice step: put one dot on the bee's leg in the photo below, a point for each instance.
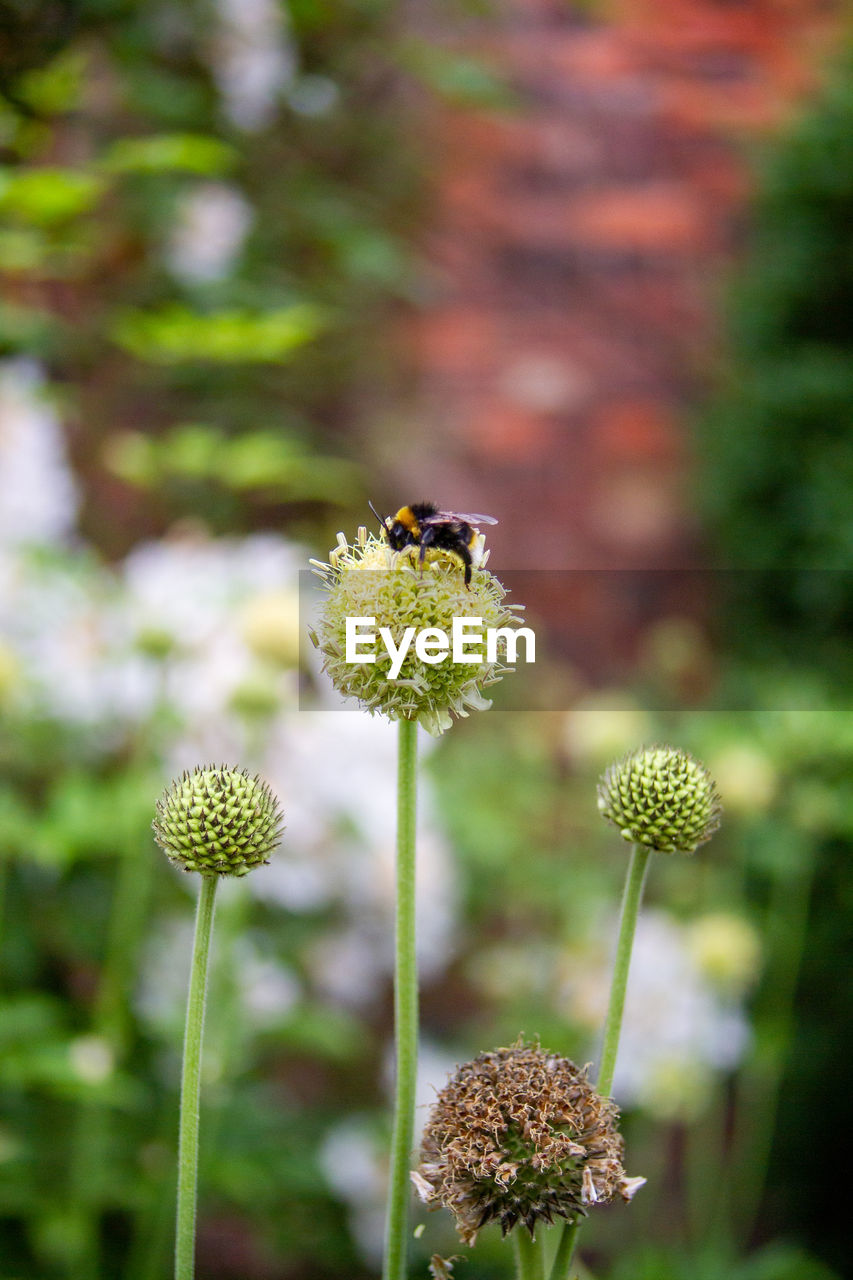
(427, 539)
(465, 556)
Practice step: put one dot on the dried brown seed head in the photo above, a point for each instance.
(519, 1135)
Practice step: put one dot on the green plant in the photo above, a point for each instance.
(217, 822)
(371, 582)
(775, 459)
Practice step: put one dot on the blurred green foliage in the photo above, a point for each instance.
(183, 246)
(89, 1057)
(175, 333)
(261, 460)
(171, 153)
(539, 867)
(777, 463)
(87, 1086)
(776, 475)
(236, 394)
(45, 197)
(772, 1263)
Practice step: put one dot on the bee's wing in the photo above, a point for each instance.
(441, 516)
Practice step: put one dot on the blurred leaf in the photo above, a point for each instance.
(367, 254)
(132, 456)
(51, 1066)
(258, 458)
(265, 1145)
(87, 816)
(26, 329)
(322, 1032)
(268, 460)
(17, 824)
(48, 196)
(29, 1019)
(461, 80)
(191, 451)
(56, 87)
(22, 250)
(175, 334)
(164, 97)
(265, 459)
(775, 1262)
(170, 152)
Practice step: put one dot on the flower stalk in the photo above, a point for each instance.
(661, 800)
(565, 1251)
(216, 822)
(191, 1083)
(631, 900)
(529, 1256)
(403, 591)
(405, 1007)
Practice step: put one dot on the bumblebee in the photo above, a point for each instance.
(424, 526)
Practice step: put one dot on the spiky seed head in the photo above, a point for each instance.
(218, 821)
(662, 798)
(370, 580)
(520, 1136)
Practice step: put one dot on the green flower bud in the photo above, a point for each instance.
(520, 1136)
(661, 798)
(369, 580)
(218, 821)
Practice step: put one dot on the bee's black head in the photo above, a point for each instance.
(399, 536)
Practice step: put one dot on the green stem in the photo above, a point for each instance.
(529, 1254)
(405, 1008)
(631, 900)
(565, 1250)
(627, 925)
(190, 1084)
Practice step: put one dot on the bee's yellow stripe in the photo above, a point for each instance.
(406, 518)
